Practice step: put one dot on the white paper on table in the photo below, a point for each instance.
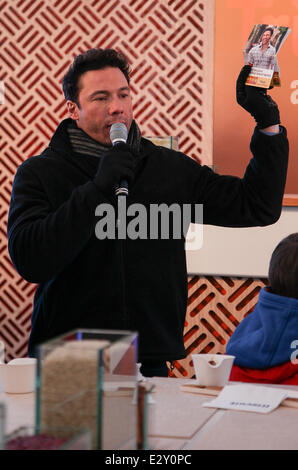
(248, 398)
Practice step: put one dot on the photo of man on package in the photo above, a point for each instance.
(264, 54)
(260, 53)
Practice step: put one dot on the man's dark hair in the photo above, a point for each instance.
(269, 29)
(283, 267)
(93, 59)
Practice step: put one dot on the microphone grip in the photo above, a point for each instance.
(122, 189)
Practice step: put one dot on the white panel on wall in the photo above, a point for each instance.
(241, 252)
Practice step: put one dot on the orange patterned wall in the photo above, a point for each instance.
(170, 46)
(216, 305)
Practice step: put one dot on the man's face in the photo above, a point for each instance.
(104, 98)
(266, 37)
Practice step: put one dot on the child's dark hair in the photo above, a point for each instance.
(93, 59)
(283, 267)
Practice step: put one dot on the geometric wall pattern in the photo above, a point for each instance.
(168, 43)
(216, 306)
(170, 47)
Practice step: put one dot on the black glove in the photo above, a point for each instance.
(116, 165)
(256, 101)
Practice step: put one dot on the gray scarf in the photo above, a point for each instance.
(83, 144)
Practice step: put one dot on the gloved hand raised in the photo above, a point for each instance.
(116, 165)
(256, 101)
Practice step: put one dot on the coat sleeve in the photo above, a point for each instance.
(255, 199)
(43, 241)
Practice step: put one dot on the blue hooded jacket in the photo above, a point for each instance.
(269, 335)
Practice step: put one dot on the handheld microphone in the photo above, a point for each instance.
(118, 134)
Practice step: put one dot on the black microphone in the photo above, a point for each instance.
(118, 135)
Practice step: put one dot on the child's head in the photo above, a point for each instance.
(283, 267)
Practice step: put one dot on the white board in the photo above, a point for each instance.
(240, 252)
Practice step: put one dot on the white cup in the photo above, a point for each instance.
(18, 376)
(212, 369)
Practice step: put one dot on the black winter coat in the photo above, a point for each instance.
(138, 285)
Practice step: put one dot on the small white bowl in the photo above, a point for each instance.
(18, 375)
(212, 369)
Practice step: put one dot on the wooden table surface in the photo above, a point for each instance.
(178, 421)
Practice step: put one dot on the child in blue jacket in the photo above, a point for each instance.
(265, 344)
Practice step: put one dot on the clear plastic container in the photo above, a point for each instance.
(88, 379)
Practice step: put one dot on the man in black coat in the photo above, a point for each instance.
(90, 277)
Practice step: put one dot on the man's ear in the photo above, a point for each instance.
(72, 109)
